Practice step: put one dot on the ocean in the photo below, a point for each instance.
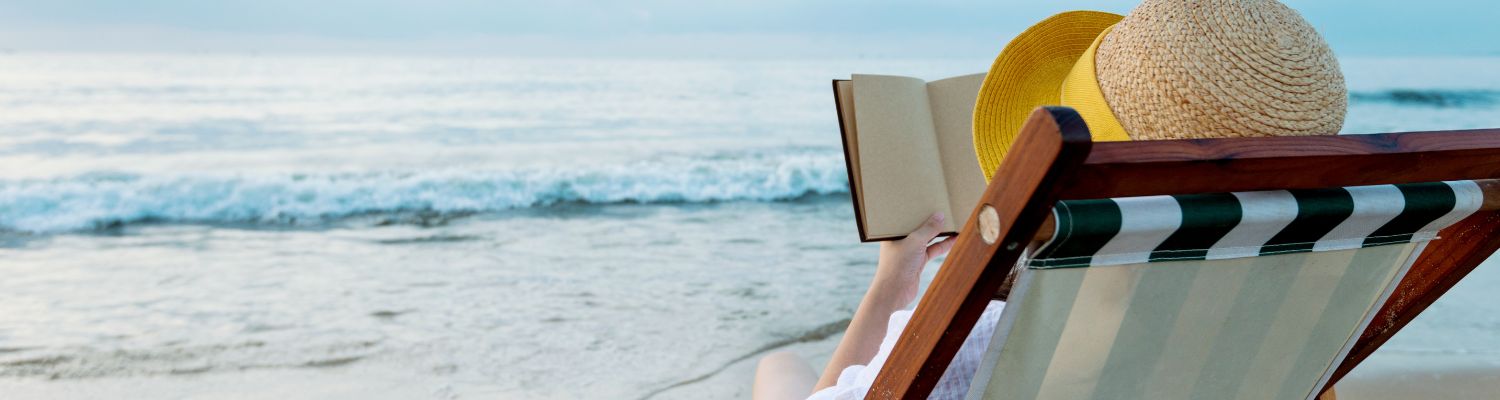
(195, 225)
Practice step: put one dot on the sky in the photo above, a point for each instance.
(666, 28)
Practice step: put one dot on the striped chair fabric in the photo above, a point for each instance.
(1251, 295)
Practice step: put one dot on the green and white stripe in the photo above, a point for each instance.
(1246, 224)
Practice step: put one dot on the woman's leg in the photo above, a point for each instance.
(783, 376)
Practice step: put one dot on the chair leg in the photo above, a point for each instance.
(1328, 395)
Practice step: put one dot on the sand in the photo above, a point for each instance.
(353, 382)
(1387, 376)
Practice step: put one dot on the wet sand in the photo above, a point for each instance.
(1388, 376)
(352, 382)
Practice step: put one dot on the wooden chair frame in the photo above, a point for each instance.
(1054, 159)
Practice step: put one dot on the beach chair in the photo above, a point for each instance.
(1255, 268)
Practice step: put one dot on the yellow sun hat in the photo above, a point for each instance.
(1171, 69)
(1030, 72)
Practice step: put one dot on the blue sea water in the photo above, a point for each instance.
(96, 141)
(522, 228)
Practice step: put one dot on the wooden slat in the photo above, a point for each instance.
(1121, 169)
(1053, 143)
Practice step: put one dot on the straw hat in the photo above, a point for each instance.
(1172, 69)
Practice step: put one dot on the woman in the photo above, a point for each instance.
(1235, 68)
(873, 331)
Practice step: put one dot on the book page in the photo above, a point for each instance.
(898, 156)
(844, 95)
(952, 102)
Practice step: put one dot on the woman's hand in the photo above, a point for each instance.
(894, 287)
(901, 262)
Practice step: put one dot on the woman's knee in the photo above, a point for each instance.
(783, 375)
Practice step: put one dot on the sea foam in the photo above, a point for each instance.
(95, 200)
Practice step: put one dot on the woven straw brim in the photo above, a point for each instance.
(1027, 74)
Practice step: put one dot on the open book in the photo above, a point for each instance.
(910, 151)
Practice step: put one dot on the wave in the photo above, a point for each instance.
(100, 200)
(1429, 97)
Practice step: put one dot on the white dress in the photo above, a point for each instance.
(855, 380)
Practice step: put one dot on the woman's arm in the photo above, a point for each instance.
(894, 287)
